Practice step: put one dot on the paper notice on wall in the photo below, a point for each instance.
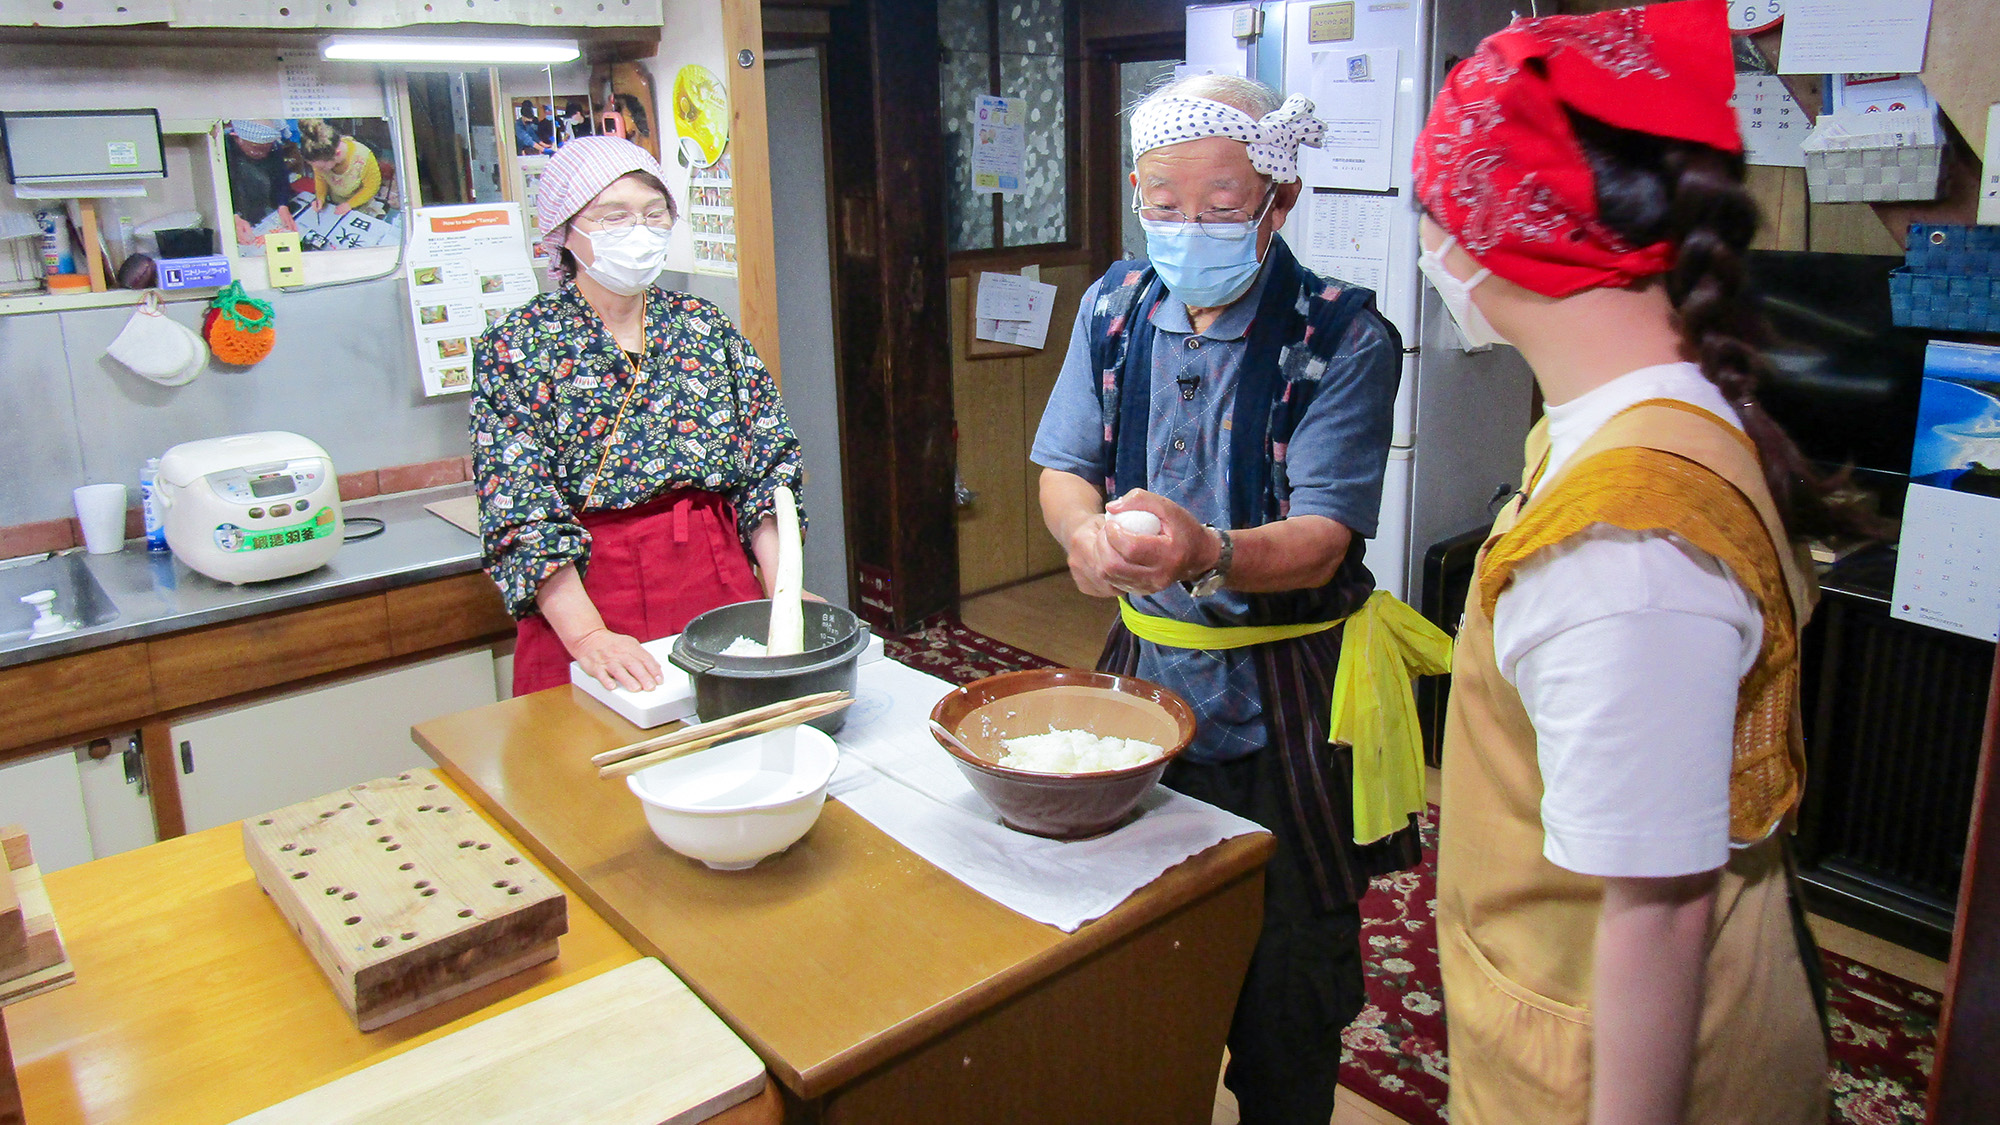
(1354, 93)
(1772, 123)
(304, 91)
(1850, 36)
(1002, 296)
(1989, 179)
(999, 143)
(1948, 562)
(1030, 330)
(711, 214)
(1347, 237)
(467, 266)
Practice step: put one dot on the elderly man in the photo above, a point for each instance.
(1245, 403)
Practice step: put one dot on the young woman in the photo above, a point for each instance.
(1621, 760)
(627, 443)
(346, 174)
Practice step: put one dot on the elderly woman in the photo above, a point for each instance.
(627, 442)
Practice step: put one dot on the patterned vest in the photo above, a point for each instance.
(1299, 324)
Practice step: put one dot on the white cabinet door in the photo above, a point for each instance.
(45, 796)
(115, 800)
(278, 752)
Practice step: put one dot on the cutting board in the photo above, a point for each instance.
(461, 512)
(629, 1047)
(404, 897)
(673, 700)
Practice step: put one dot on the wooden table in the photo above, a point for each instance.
(876, 987)
(194, 1002)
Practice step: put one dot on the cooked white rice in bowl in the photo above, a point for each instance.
(1076, 751)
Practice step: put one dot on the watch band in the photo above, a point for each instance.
(1211, 580)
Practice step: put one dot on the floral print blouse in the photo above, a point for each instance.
(547, 383)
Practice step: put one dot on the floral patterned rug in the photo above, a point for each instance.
(1884, 1027)
(950, 651)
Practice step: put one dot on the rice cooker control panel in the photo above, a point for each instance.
(256, 485)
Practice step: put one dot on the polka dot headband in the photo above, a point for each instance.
(1273, 141)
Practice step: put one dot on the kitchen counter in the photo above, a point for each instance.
(156, 594)
(194, 1002)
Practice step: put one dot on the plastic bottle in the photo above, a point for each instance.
(56, 254)
(149, 500)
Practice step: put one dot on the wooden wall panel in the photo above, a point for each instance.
(750, 155)
(225, 660)
(1039, 373)
(986, 398)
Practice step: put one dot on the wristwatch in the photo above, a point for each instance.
(1209, 581)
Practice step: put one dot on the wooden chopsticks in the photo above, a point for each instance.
(700, 736)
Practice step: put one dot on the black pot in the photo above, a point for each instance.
(726, 685)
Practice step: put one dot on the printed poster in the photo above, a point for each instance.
(334, 180)
(1948, 562)
(711, 215)
(999, 144)
(467, 267)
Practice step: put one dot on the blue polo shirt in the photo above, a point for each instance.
(1193, 395)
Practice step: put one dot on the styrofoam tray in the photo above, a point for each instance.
(674, 698)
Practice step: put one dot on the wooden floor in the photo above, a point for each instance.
(1050, 617)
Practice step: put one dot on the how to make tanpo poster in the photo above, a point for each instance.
(467, 266)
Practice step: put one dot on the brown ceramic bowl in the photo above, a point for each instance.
(1064, 806)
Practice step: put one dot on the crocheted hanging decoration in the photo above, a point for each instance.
(239, 327)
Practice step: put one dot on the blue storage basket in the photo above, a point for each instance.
(1950, 279)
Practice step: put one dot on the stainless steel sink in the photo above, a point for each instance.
(79, 599)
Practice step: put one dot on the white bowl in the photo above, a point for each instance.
(730, 806)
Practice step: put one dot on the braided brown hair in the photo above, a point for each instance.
(1651, 189)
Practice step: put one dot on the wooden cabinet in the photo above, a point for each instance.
(248, 760)
(160, 684)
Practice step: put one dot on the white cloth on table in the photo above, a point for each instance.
(896, 776)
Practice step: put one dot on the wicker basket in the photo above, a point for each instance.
(1950, 279)
(1874, 175)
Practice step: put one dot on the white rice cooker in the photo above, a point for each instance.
(250, 507)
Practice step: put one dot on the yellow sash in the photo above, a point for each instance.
(1374, 711)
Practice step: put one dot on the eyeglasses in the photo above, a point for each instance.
(1216, 222)
(659, 219)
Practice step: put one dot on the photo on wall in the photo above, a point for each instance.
(333, 180)
(543, 124)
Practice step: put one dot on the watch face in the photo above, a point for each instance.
(1748, 17)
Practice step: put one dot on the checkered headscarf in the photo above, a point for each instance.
(575, 175)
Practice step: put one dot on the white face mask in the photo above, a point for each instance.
(1473, 327)
(626, 261)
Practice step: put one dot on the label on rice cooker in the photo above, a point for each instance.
(236, 540)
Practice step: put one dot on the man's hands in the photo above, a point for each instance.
(1106, 559)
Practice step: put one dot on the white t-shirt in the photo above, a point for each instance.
(1627, 650)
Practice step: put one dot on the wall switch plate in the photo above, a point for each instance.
(284, 257)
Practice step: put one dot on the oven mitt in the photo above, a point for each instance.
(158, 347)
(239, 326)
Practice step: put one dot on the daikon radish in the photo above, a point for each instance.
(787, 636)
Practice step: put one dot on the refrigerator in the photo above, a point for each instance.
(1371, 67)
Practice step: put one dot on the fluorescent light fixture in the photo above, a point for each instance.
(442, 49)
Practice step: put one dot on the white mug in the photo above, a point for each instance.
(100, 511)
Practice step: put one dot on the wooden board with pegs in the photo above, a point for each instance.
(403, 896)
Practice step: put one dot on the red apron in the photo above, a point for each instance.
(653, 568)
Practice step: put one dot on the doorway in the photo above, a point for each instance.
(796, 108)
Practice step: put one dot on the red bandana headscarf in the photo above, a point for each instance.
(1498, 166)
